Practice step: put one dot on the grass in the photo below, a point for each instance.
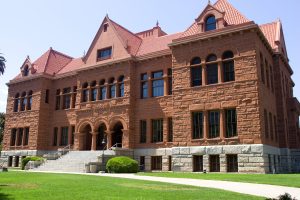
(26, 186)
(292, 180)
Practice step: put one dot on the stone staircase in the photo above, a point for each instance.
(74, 161)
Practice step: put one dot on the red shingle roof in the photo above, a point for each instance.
(270, 31)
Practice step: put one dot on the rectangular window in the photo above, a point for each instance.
(231, 127)
(196, 75)
(157, 130)
(228, 70)
(103, 93)
(142, 163)
(144, 86)
(55, 136)
(74, 96)
(57, 103)
(271, 126)
(26, 136)
(9, 162)
(170, 81)
(198, 163)
(20, 136)
(13, 137)
(214, 124)
(212, 73)
(64, 136)
(143, 131)
(104, 54)
(170, 129)
(232, 163)
(262, 69)
(156, 163)
(157, 84)
(94, 94)
(170, 163)
(67, 98)
(112, 91)
(214, 163)
(47, 96)
(197, 125)
(266, 124)
(16, 164)
(72, 135)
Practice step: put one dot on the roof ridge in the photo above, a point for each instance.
(229, 4)
(48, 56)
(62, 54)
(125, 29)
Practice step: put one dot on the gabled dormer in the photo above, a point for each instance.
(27, 68)
(210, 19)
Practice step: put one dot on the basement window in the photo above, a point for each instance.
(103, 54)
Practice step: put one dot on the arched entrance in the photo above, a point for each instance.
(100, 137)
(117, 135)
(85, 141)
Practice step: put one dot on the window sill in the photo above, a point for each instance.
(102, 59)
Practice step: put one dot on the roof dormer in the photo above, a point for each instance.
(27, 68)
(210, 19)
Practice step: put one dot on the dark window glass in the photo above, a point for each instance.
(112, 91)
(16, 102)
(157, 84)
(227, 55)
(157, 130)
(170, 163)
(47, 96)
(64, 136)
(211, 58)
(55, 136)
(214, 124)
(13, 137)
(105, 27)
(198, 163)
(73, 135)
(212, 73)
(228, 70)
(210, 23)
(156, 163)
(20, 136)
(94, 94)
(170, 81)
(142, 163)
(196, 61)
(196, 74)
(232, 163)
(214, 163)
(26, 136)
(103, 92)
(57, 102)
(104, 54)
(197, 125)
(266, 124)
(170, 129)
(74, 96)
(26, 70)
(85, 94)
(29, 101)
(121, 86)
(66, 98)
(231, 126)
(143, 131)
(23, 102)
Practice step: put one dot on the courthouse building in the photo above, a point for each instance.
(216, 97)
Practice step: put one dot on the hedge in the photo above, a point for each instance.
(122, 164)
(31, 158)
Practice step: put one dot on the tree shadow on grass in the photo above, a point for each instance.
(5, 196)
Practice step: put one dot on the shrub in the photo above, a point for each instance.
(122, 164)
(31, 158)
(285, 196)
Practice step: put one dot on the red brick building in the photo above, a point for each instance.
(217, 97)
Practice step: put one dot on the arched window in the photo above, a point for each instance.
(196, 72)
(112, 88)
(26, 71)
(85, 92)
(228, 66)
(210, 23)
(23, 101)
(212, 69)
(16, 102)
(93, 91)
(102, 89)
(121, 86)
(29, 100)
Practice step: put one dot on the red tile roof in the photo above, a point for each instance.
(75, 64)
(270, 32)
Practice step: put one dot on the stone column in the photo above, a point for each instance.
(76, 141)
(223, 163)
(109, 136)
(117, 89)
(205, 125)
(166, 83)
(80, 140)
(147, 163)
(107, 90)
(125, 139)
(206, 162)
(222, 124)
(204, 79)
(94, 140)
(220, 73)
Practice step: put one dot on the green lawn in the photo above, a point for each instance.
(292, 180)
(36, 186)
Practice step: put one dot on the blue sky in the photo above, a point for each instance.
(30, 27)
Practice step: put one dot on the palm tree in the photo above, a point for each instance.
(2, 64)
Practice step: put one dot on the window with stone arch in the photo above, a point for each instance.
(102, 88)
(112, 88)
(196, 72)
(16, 102)
(212, 69)
(26, 71)
(29, 100)
(210, 23)
(23, 101)
(94, 91)
(85, 92)
(228, 66)
(121, 91)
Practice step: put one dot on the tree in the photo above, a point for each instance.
(2, 121)
(2, 64)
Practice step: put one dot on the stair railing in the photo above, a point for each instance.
(65, 149)
(116, 145)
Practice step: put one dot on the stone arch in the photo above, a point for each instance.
(99, 121)
(113, 121)
(101, 129)
(82, 124)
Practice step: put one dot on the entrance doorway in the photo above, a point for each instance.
(117, 135)
(100, 136)
(86, 139)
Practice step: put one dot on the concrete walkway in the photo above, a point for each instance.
(269, 191)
